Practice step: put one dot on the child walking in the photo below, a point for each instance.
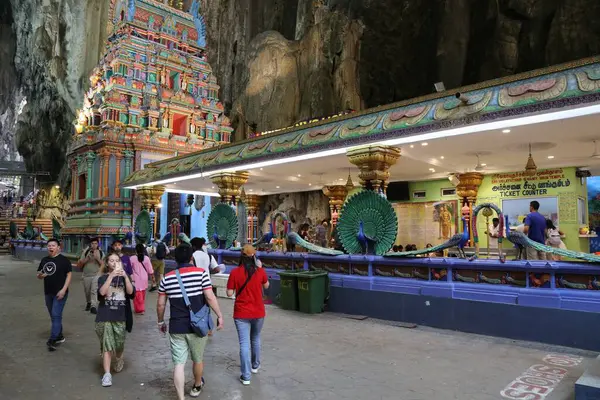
(115, 290)
(141, 266)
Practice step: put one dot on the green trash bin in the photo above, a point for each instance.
(289, 289)
(312, 291)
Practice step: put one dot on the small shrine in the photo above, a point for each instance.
(152, 96)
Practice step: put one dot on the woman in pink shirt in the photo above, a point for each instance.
(141, 267)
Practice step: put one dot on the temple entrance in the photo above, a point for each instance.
(179, 124)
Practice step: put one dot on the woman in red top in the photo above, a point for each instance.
(248, 281)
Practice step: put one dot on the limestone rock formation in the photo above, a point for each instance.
(302, 208)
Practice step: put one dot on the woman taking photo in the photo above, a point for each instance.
(142, 268)
(115, 290)
(247, 282)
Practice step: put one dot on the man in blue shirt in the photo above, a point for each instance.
(535, 229)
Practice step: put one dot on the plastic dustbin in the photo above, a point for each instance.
(312, 291)
(288, 299)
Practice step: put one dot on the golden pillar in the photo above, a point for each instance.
(374, 163)
(253, 204)
(336, 194)
(467, 190)
(230, 184)
(150, 196)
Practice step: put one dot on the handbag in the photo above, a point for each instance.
(201, 321)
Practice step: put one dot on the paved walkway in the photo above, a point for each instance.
(304, 357)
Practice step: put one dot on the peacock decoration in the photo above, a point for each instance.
(56, 228)
(183, 238)
(294, 238)
(367, 224)
(222, 226)
(521, 239)
(459, 241)
(29, 232)
(143, 227)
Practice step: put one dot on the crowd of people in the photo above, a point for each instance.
(113, 281)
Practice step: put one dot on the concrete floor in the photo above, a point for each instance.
(320, 357)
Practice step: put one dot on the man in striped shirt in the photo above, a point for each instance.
(183, 340)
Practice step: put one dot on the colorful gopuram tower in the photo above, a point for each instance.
(152, 96)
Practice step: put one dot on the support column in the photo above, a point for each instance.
(90, 157)
(73, 165)
(128, 156)
(230, 184)
(151, 196)
(467, 190)
(103, 189)
(374, 163)
(118, 158)
(253, 204)
(336, 194)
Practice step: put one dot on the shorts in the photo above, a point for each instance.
(111, 335)
(183, 344)
(158, 266)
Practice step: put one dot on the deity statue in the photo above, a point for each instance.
(163, 77)
(151, 22)
(184, 81)
(445, 221)
(184, 35)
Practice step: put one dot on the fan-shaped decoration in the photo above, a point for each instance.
(367, 221)
(222, 226)
(14, 230)
(56, 229)
(143, 227)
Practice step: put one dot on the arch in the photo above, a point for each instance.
(501, 231)
(286, 223)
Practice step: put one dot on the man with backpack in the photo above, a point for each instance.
(161, 250)
(90, 263)
(186, 285)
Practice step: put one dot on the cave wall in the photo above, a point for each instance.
(281, 61)
(302, 208)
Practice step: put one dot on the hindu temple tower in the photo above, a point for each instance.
(153, 95)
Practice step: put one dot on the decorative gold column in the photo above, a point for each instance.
(467, 190)
(150, 196)
(253, 203)
(336, 194)
(374, 163)
(230, 184)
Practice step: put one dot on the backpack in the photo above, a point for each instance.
(161, 251)
(554, 237)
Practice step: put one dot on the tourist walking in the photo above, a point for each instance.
(183, 341)
(247, 282)
(204, 260)
(117, 247)
(142, 269)
(55, 269)
(90, 263)
(535, 229)
(161, 251)
(115, 288)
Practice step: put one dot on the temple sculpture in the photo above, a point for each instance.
(153, 95)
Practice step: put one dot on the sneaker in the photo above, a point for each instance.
(51, 345)
(107, 380)
(93, 310)
(61, 339)
(255, 370)
(88, 306)
(244, 381)
(120, 364)
(196, 390)
(153, 289)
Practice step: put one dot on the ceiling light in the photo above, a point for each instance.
(424, 144)
(212, 187)
(277, 187)
(251, 190)
(550, 157)
(310, 184)
(261, 169)
(341, 179)
(183, 191)
(484, 165)
(432, 170)
(442, 157)
(506, 131)
(412, 146)
(299, 176)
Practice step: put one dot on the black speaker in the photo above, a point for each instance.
(398, 191)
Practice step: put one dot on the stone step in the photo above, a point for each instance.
(587, 386)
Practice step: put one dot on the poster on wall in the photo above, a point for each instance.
(426, 223)
(517, 209)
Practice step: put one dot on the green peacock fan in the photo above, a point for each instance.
(222, 226)
(143, 227)
(367, 224)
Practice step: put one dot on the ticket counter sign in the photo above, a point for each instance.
(518, 184)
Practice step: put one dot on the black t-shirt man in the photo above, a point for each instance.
(56, 269)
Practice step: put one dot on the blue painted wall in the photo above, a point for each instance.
(199, 219)
(164, 213)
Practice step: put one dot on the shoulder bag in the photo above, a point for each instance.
(201, 321)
